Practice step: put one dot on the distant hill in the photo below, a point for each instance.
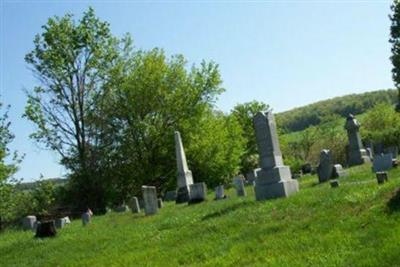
(32, 185)
(303, 117)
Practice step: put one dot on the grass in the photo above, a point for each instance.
(357, 224)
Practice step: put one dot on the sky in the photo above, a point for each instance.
(284, 53)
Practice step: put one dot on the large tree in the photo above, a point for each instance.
(77, 64)
(395, 41)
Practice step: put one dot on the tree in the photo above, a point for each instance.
(77, 65)
(244, 114)
(395, 41)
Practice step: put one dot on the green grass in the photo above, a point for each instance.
(357, 224)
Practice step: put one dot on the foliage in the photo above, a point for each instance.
(381, 125)
(244, 113)
(395, 41)
(44, 196)
(303, 117)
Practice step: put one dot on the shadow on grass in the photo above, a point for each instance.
(393, 204)
(225, 211)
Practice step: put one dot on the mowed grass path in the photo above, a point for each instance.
(357, 224)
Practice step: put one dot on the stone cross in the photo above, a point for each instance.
(185, 178)
(274, 179)
(150, 200)
(356, 153)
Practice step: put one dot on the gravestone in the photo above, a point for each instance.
(238, 181)
(160, 203)
(370, 153)
(356, 154)
(185, 178)
(325, 166)
(382, 162)
(198, 193)
(251, 176)
(29, 222)
(121, 208)
(394, 150)
(46, 229)
(274, 179)
(67, 220)
(150, 200)
(334, 183)
(134, 205)
(338, 171)
(381, 177)
(170, 196)
(60, 223)
(219, 192)
(86, 218)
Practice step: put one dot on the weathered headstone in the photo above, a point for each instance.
(46, 229)
(150, 200)
(86, 218)
(121, 208)
(325, 166)
(67, 220)
(170, 196)
(185, 178)
(238, 181)
(219, 192)
(381, 177)
(160, 203)
(29, 222)
(338, 171)
(60, 223)
(382, 162)
(334, 183)
(198, 193)
(356, 154)
(134, 205)
(274, 179)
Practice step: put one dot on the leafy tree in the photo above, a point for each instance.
(44, 196)
(244, 114)
(77, 65)
(395, 41)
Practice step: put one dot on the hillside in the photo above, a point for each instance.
(356, 224)
(303, 117)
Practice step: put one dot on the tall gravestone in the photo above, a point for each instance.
(185, 178)
(150, 199)
(238, 181)
(356, 154)
(274, 179)
(325, 166)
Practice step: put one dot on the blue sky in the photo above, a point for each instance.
(284, 53)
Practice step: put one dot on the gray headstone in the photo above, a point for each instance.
(356, 154)
(60, 223)
(134, 205)
(185, 178)
(219, 192)
(170, 196)
(198, 193)
(274, 179)
(338, 171)
(381, 177)
(160, 203)
(382, 162)
(150, 200)
(29, 222)
(86, 218)
(325, 166)
(238, 181)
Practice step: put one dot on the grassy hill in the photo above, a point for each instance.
(356, 224)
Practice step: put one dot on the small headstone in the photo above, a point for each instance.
(60, 223)
(86, 217)
(325, 166)
(134, 205)
(150, 199)
(219, 192)
(121, 208)
(338, 171)
(160, 203)
(198, 193)
(334, 183)
(170, 196)
(238, 181)
(382, 162)
(46, 229)
(67, 220)
(29, 222)
(381, 177)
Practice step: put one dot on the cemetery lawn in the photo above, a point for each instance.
(357, 224)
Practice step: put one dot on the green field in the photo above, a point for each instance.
(357, 224)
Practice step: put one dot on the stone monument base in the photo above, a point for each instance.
(275, 183)
(182, 195)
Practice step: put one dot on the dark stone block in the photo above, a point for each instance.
(46, 229)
